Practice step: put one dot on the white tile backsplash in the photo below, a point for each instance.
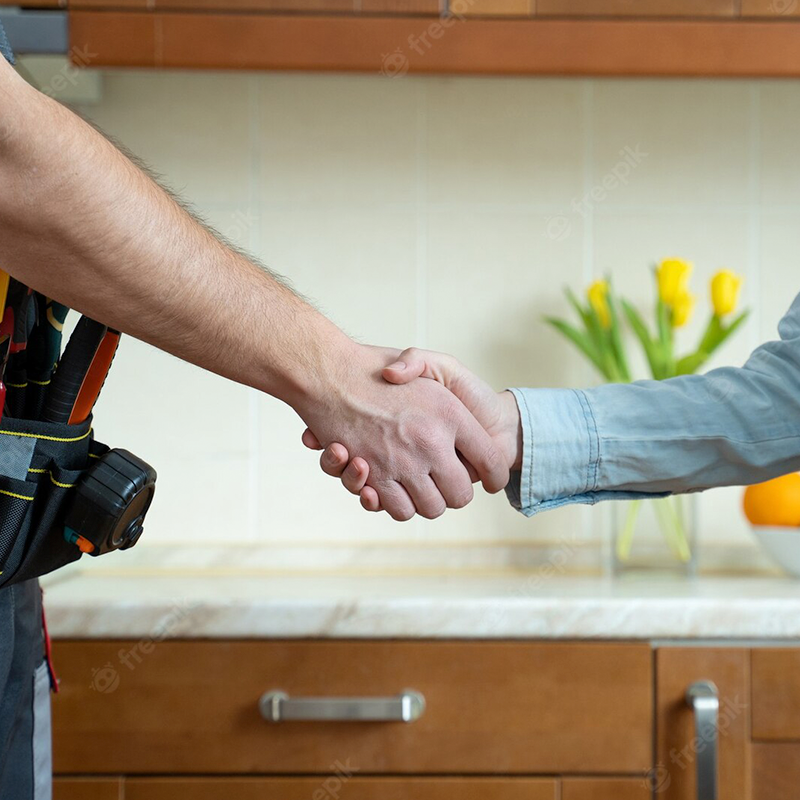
(510, 141)
(332, 139)
(447, 212)
(695, 135)
(193, 131)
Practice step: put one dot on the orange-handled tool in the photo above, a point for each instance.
(95, 377)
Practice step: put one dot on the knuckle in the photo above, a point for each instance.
(462, 498)
(434, 512)
(492, 460)
(401, 514)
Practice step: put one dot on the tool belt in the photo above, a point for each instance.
(62, 493)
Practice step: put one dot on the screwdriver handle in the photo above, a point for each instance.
(71, 372)
(95, 378)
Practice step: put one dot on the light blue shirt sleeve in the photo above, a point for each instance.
(732, 426)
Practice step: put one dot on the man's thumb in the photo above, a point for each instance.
(409, 366)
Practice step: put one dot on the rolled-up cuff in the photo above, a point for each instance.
(561, 452)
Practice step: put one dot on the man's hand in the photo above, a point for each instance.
(497, 413)
(408, 434)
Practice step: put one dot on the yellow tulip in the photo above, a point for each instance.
(725, 286)
(598, 299)
(682, 308)
(673, 279)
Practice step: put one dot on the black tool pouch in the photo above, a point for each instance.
(32, 508)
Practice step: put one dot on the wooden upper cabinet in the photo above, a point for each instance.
(771, 9)
(492, 707)
(638, 8)
(395, 37)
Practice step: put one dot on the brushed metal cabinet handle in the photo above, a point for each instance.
(703, 698)
(277, 706)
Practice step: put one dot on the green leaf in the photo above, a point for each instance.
(581, 340)
(732, 328)
(711, 335)
(602, 340)
(575, 303)
(665, 339)
(688, 365)
(715, 334)
(645, 339)
(616, 337)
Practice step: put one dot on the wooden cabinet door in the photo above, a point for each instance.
(87, 789)
(677, 748)
(776, 723)
(606, 788)
(493, 708)
(776, 770)
(333, 788)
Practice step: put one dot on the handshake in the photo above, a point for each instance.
(411, 431)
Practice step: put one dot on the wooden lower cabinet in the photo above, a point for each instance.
(606, 789)
(776, 771)
(776, 694)
(675, 774)
(338, 789)
(491, 708)
(503, 721)
(87, 789)
(341, 788)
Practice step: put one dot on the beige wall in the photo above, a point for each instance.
(443, 212)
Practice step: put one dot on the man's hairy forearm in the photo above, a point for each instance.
(83, 224)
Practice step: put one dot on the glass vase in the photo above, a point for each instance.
(656, 535)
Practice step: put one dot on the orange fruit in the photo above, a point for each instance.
(776, 502)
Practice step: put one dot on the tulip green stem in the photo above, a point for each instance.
(672, 528)
(670, 522)
(625, 539)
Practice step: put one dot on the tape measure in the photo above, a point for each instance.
(109, 504)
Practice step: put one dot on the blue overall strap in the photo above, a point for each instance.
(5, 47)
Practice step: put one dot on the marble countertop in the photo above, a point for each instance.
(89, 604)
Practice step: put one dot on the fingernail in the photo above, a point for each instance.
(398, 365)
